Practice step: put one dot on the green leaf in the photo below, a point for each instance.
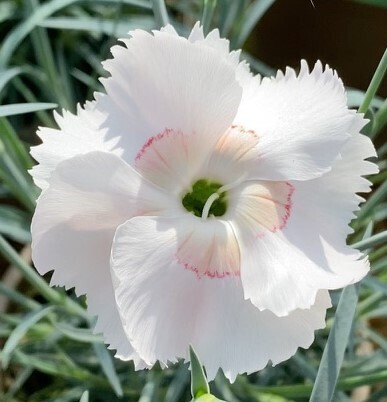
(375, 83)
(19, 332)
(15, 178)
(79, 334)
(85, 397)
(160, 12)
(108, 367)
(333, 355)
(355, 98)
(177, 385)
(21, 108)
(373, 241)
(253, 14)
(208, 398)
(7, 75)
(15, 224)
(13, 145)
(208, 12)
(149, 392)
(199, 384)
(108, 27)
(16, 36)
(56, 365)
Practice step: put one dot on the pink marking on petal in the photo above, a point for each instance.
(150, 142)
(288, 207)
(209, 272)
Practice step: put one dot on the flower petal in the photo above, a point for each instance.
(171, 160)
(302, 122)
(77, 134)
(272, 272)
(324, 207)
(187, 88)
(165, 307)
(282, 270)
(73, 228)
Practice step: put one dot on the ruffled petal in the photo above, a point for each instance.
(273, 273)
(73, 228)
(77, 134)
(284, 265)
(186, 88)
(323, 208)
(191, 86)
(165, 307)
(302, 122)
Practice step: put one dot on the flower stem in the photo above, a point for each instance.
(375, 83)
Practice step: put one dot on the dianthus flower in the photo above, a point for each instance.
(195, 203)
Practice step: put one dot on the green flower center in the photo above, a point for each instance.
(195, 200)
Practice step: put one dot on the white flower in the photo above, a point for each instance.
(196, 204)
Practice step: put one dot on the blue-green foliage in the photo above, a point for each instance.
(50, 53)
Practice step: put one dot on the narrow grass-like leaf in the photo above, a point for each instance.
(15, 224)
(149, 392)
(108, 367)
(253, 14)
(208, 12)
(108, 27)
(378, 196)
(16, 179)
(45, 58)
(355, 98)
(15, 37)
(333, 355)
(374, 84)
(137, 3)
(223, 386)
(19, 332)
(380, 119)
(27, 93)
(229, 11)
(18, 298)
(375, 284)
(160, 12)
(258, 65)
(177, 385)
(13, 145)
(199, 384)
(373, 241)
(21, 108)
(38, 282)
(79, 334)
(85, 397)
(17, 383)
(53, 364)
(7, 75)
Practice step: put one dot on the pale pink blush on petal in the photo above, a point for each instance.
(209, 248)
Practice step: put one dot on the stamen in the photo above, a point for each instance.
(207, 206)
(229, 186)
